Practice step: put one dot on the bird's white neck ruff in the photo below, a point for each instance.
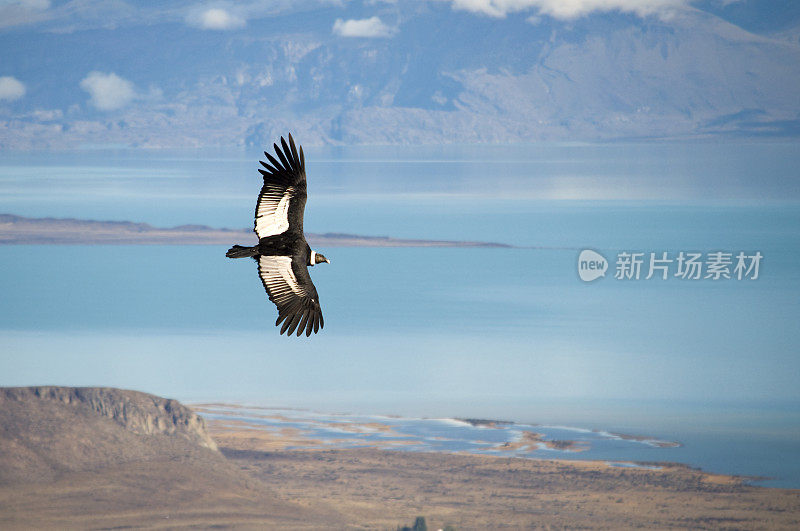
(313, 259)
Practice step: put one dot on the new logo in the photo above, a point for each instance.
(591, 265)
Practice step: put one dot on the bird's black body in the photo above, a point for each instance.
(282, 253)
(282, 244)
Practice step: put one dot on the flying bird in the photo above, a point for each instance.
(282, 253)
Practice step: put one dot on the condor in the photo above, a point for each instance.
(282, 253)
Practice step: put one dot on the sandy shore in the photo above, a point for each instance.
(375, 488)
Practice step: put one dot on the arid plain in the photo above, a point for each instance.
(104, 458)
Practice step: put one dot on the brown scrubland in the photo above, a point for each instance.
(106, 458)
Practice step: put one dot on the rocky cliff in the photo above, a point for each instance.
(138, 412)
(45, 431)
(101, 458)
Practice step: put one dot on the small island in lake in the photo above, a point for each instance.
(52, 231)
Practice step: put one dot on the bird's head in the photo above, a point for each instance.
(317, 258)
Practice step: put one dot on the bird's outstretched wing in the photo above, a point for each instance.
(289, 286)
(283, 197)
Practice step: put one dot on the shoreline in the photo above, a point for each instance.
(100, 457)
(19, 230)
(487, 492)
(239, 433)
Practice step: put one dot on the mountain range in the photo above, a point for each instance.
(184, 74)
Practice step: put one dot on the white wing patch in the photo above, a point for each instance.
(272, 215)
(277, 275)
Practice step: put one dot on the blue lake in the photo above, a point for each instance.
(443, 332)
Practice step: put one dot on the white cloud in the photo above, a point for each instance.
(366, 27)
(108, 91)
(215, 19)
(47, 115)
(15, 12)
(567, 9)
(11, 88)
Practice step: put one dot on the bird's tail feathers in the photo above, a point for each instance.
(238, 251)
